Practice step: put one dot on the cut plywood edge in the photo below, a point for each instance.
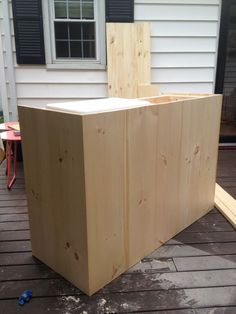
(226, 204)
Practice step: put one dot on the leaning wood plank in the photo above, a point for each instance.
(128, 58)
(226, 204)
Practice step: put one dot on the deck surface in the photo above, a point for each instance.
(195, 272)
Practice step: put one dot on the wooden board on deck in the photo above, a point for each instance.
(226, 204)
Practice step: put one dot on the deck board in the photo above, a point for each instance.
(195, 272)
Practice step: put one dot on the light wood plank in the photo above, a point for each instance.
(226, 204)
(104, 156)
(128, 57)
(54, 173)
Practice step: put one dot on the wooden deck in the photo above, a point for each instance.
(195, 272)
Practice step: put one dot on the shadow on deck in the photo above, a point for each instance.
(195, 272)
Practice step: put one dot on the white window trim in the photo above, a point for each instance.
(49, 41)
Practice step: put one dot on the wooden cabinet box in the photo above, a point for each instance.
(108, 185)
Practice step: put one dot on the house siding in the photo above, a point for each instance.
(184, 41)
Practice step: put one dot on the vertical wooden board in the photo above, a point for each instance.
(121, 70)
(210, 127)
(54, 172)
(167, 171)
(105, 157)
(128, 58)
(142, 52)
(142, 144)
(200, 135)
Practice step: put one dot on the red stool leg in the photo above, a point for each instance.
(7, 156)
(8, 170)
(12, 180)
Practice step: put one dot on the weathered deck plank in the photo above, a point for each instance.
(203, 237)
(195, 272)
(13, 217)
(129, 302)
(205, 262)
(15, 236)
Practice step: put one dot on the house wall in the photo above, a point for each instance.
(2, 70)
(184, 40)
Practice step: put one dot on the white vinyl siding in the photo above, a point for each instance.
(184, 43)
(37, 85)
(7, 74)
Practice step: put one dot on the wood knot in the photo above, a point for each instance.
(76, 256)
(67, 245)
(164, 159)
(112, 40)
(34, 194)
(142, 201)
(188, 160)
(101, 131)
(60, 159)
(196, 150)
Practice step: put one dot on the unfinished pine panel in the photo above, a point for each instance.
(107, 188)
(128, 58)
(54, 174)
(226, 204)
(171, 169)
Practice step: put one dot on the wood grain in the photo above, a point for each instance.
(148, 90)
(54, 171)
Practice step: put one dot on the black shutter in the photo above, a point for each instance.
(28, 27)
(120, 11)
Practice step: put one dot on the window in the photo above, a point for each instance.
(76, 31)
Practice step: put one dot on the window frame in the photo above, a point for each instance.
(50, 46)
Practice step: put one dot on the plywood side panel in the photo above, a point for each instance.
(172, 155)
(54, 172)
(105, 180)
(128, 58)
